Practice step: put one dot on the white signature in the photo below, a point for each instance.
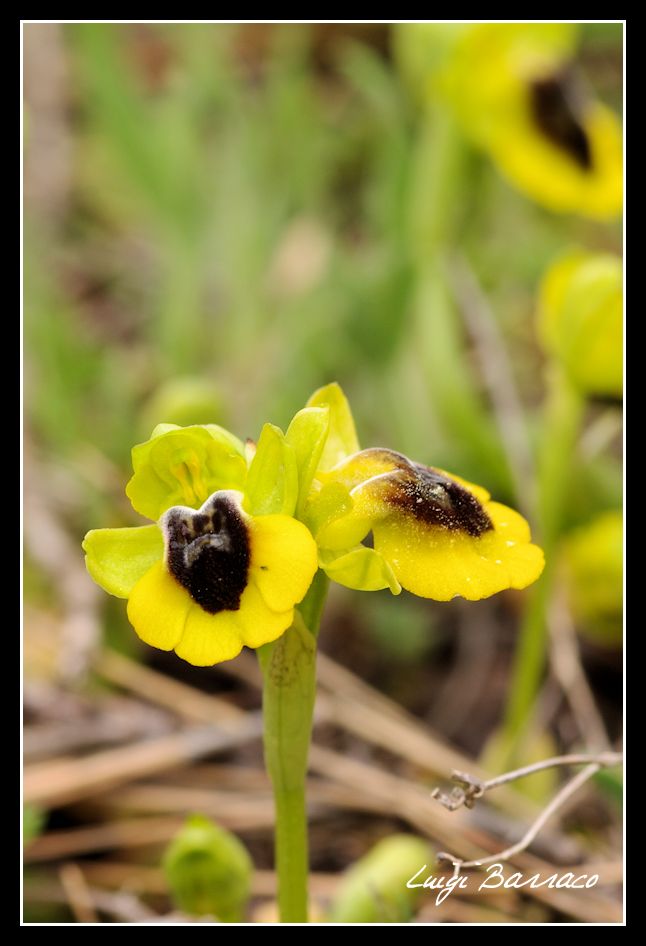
(495, 879)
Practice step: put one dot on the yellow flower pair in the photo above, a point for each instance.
(240, 532)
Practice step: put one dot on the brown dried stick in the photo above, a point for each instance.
(475, 789)
(64, 781)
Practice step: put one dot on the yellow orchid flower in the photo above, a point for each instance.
(433, 533)
(205, 581)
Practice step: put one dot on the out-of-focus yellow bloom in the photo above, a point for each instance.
(516, 94)
(593, 557)
(433, 533)
(581, 320)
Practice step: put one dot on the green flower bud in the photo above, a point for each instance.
(593, 558)
(183, 401)
(208, 871)
(580, 320)
(374, 889)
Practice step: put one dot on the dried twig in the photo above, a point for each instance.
(565, 661)
(471, 789)
(78, 893)
(61, 781)
(53, 550)
(497, 374)
(122, 905)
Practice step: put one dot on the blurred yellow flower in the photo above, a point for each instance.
(517, 95)
(581, 320)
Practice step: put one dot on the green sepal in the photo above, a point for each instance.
(307, 434)
(361, 568)
(272, 482)
(330, 503)
(342, 436)
(117, 558)
(183, 466)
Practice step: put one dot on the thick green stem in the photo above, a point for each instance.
(289, 668)
(560, 426)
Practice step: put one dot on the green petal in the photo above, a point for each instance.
(184, 466)
(307, 434)
(342, 438)
(362, 569)
(272, 483)
(117, 558)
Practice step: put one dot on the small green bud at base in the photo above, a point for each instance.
(208, 871)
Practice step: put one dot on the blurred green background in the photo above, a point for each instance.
(218, 220)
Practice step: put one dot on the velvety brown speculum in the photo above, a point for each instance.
(434, 499)
(208, 552)
(556, 107)
(426, 494)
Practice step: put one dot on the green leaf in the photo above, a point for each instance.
(272, 483)
(33, 822)
(342, 437)
(117, 558)
(307, 434)
(611, 783)
(362, 569)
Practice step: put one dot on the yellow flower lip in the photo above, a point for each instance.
(435, 534)
(224, 579)
(208, 550)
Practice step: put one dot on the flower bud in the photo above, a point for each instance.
(580, 320)
(208, 871)
(183, 401)
(594, 574)
(374, 889)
